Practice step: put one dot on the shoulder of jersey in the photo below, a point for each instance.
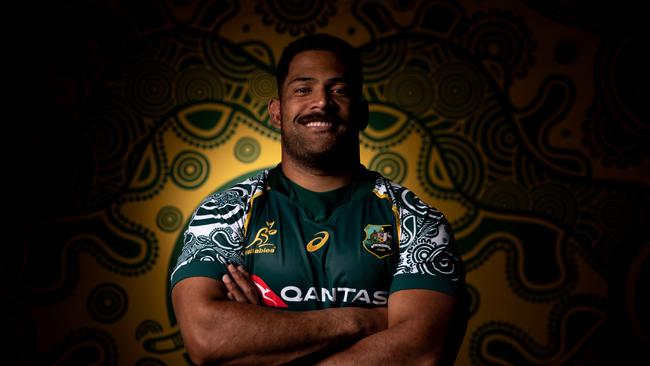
(239, 194)
(404, 199)
(229, 206)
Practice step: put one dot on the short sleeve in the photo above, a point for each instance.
(428, 256)
(213, 239)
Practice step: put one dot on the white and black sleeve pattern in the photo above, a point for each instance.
(215, 235)
(428, 256)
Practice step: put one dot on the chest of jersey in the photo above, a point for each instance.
(300, 264)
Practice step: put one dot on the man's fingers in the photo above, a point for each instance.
(245, 285)
(243, 271)
(233, 289)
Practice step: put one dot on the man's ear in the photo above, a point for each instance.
(362, 114)
(274, 113)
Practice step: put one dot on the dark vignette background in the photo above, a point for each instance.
(580, 157)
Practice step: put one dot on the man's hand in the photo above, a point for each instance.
(240, 286)
(216, 330)
(424, 328)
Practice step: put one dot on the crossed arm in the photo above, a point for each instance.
(219, 331)
(416, 328)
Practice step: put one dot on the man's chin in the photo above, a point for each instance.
(322, 159)
(322, 151)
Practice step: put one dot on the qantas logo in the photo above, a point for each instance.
(324, 295)
(268, 296)
(334, 294)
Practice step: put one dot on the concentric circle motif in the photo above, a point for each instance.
(390, 165)
(262, 85)
(382, 60)
(190, 169)
(459, 89)
(107, 303)
(412, 91)
(555, 200)
(503, 37)
(106, 138)
(169, 218)
(149, 88)
(422, 254)
(608, 141)
(443, 261)
(198, 84)
(247, 150)
(506, 195)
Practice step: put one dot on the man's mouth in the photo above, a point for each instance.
(319, 120)
(319, 124)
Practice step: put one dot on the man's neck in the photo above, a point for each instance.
(318, 180)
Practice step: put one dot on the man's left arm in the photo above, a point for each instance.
(427, 308)
(424, 328)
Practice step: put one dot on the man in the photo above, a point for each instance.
(319, 260)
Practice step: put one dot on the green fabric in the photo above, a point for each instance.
(311, 250)
(340, 272)
(417, 281)
(319, 206)
(212, 270)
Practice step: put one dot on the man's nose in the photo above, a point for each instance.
(322, 99)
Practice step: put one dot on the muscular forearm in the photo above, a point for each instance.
(393, 346)
(229, 332)
(249, 334)
(424, 328)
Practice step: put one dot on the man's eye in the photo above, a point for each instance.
(340, 91)
(302, 91)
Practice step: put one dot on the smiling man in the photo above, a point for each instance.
(319, 260)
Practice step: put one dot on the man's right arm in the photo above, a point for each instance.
(217, 330)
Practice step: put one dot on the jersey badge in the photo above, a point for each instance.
(261, 244)
(379, 240)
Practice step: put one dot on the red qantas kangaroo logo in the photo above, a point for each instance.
(268, 296)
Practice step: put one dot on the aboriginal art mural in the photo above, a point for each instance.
(525, 122)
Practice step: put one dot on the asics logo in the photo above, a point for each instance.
(320, 239)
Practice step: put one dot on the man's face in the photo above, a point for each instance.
(316, 109)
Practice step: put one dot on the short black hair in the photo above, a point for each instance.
(322, 42)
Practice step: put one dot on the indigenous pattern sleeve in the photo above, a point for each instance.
(216, 233)
(428, 256)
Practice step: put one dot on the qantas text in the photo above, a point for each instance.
(334, 294)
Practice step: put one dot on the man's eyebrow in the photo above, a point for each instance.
(338, 79)
(300, 78)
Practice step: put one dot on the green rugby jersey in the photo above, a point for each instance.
(381, 239)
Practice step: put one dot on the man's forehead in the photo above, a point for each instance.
(317, 59)
(309, 64)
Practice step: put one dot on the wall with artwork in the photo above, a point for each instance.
(525, 122)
